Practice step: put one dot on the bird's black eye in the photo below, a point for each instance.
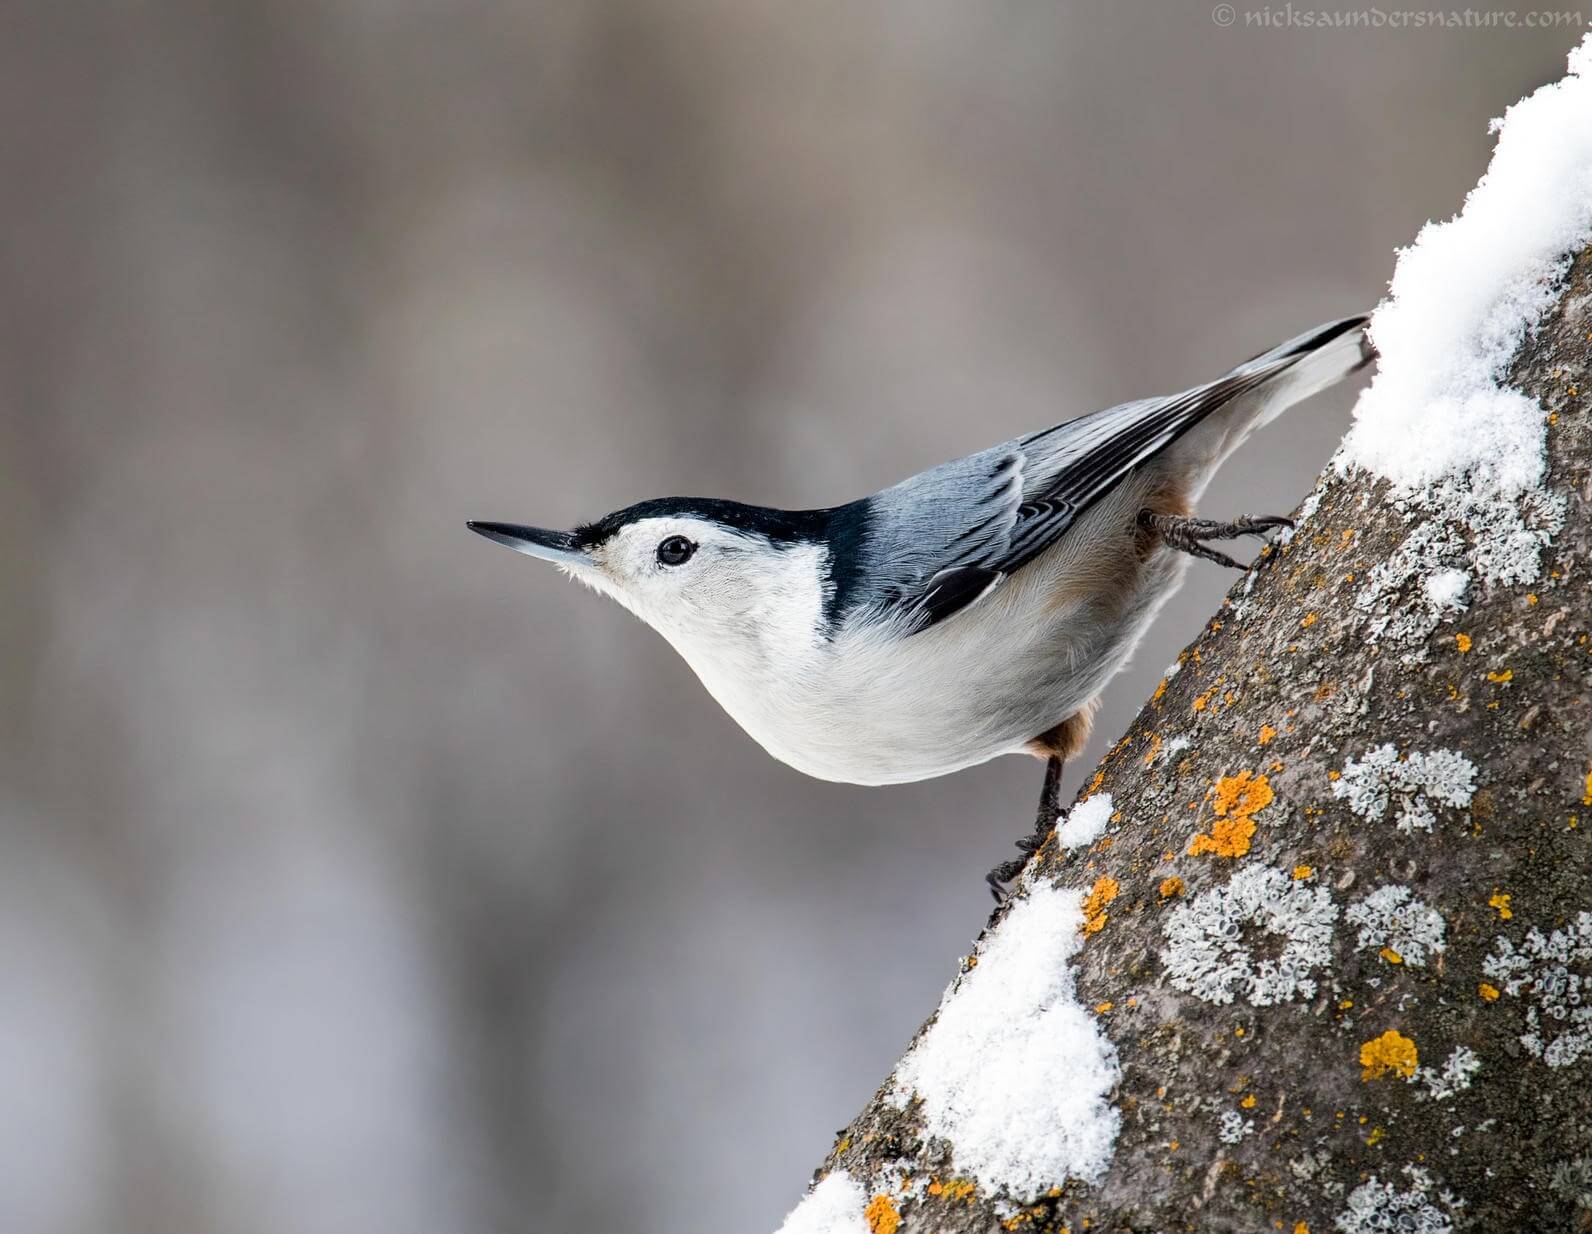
(675, 551)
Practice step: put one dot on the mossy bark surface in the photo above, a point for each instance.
(1287, 684)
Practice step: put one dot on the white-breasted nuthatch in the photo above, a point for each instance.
(976, 609)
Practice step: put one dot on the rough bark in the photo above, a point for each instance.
(1288, 683)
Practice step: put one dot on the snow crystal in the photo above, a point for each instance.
(1375, 1206)
(1013, 1071)
(1085, 822)
(1455, 1077)
(834, 1206)
(1391, 917)
(1176, 746)
(1419, 783)
(1234, 1127)
(1445, 589)
(1463, 297)
(1464, 453)
(1559, 1016)
(1307, 511)
(1206, 954)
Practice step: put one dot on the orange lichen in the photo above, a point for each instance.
(1488, 992)
(1500, 902)
(955, 1190)
(1102, 1008)
(1301, 1228)
(1267, 732)
(1155, 748)
(1203, 700)
(1160, 689)
(1531, 597)
(882, 1215)
(1391, 956)
(1228, 837)
(1248, 1102)
(1392, 1051)
(1301, 873)
(1235, 798)
(1586, 796)
(1241, 795)
(1171, 887)
(1498, 679)
(1308, 621)
(1094, 904)
(1462, 641)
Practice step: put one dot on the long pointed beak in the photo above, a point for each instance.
(556, 546)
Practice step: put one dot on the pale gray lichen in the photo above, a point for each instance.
(1418, 783)
(1207, 954)
(1391, 917)
(1376, 1206)
(1559, 1014)
(1572, 1180)
(1234, 1127)
(1402, 613)
(1506, 536)
(1458, 1070)
(1464, 533)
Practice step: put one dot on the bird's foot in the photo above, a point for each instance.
(1001, 875)
(1045, 821)
(1188, 535)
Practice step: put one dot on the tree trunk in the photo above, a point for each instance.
(1395, 1029)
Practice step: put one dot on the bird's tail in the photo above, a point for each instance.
(1304, 366)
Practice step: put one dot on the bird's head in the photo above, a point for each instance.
(714, 578)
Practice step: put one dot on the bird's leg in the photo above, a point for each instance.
(1188, 535)
(1044, 823)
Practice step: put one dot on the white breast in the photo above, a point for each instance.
(870, 707)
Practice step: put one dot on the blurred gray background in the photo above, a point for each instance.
(356, 875)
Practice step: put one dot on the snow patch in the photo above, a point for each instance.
(1464, 296)
(1014, 1072)
(1466, 455)
(1391, 917)
(1206, 954)
(1559, 1016)
(1418, 783)
(1085, 822)
(1445, 589)
(834, 1206)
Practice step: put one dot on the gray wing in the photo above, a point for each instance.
(948, 537)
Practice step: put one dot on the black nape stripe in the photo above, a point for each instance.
(846, 536)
